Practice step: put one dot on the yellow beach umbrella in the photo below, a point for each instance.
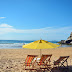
(40, 44)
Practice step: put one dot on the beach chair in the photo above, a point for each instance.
(44, 62)
(29, 62)
(61, 62)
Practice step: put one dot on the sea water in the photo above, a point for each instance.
(11, 44)
(14, 44)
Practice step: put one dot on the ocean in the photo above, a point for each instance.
(14, 44)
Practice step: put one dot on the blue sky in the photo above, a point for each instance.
(35, 19)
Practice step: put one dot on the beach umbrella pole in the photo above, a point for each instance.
(40, 53)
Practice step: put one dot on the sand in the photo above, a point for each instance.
(11, 60)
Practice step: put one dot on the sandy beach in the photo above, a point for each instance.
(11, 60)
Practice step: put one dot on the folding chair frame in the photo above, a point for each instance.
(46, 64)
(31, 63)
(60, 62)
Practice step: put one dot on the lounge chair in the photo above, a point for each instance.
(29, 62)
(61, 61)
(44, 62)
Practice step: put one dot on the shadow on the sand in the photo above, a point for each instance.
(58, 69)
(62, 69)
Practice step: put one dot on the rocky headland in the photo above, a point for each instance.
(68, 41)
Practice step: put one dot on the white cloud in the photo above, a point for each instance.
(49, 33)
(5, 28)
(5, 25)
(2, 17)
